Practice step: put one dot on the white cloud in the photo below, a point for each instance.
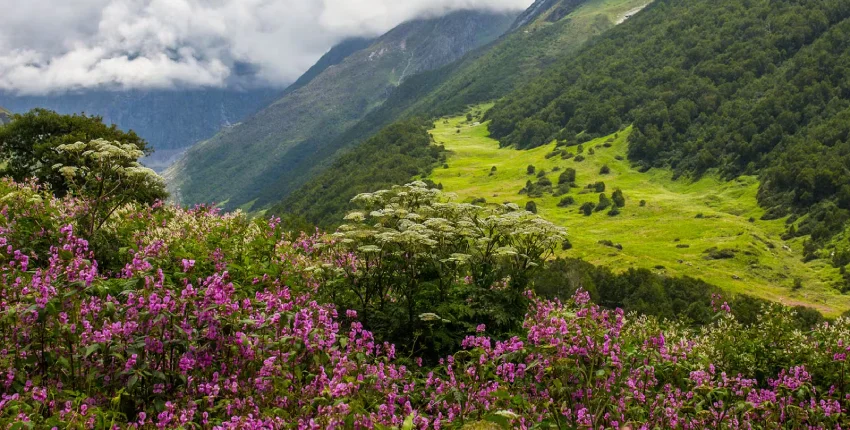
(58, 45)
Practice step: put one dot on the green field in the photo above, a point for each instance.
(702, 214)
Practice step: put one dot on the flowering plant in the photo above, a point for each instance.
(212, 321)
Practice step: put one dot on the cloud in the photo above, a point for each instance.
(59, 45)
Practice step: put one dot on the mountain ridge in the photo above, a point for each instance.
(234, 166)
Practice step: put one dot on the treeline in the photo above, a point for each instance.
(742, 87)
(686, 299)
(393, 156)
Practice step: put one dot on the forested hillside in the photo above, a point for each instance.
(235, 166)
(546, 34)
(757, 87)
(5, 116)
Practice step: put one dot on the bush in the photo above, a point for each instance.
(566, 201)
(598, 187)
(568, 176)
(530, 169)
(561, 190)
(587, 208)
(604, 203)
(614, 211)
(618, 198)
(579, 158)
(604, 170)
(643, 203)
(531, 206)
(719, 254)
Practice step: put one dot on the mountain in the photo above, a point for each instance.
(237, 164)
(170, 120)
(5, 116)
(728, 121)
(539, 43)
(736, 88)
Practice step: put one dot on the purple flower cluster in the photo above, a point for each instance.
(213, 323)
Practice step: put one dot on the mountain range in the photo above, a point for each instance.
(170, 120)
(236, 165)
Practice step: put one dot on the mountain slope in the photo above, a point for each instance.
(755, 87)
(235, 165)
(170, 120)
(5, 116)
(707, 229)
(483, 75)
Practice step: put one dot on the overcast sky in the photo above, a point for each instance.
(56, 45)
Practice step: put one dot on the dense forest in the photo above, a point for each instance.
(393, 156)
(738, 87)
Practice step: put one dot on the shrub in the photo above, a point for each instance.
(643, 203)
(566, 245)
(578, 158)
(614, 211)
(604, 203)
(561, 190)
(598, 187)
(568, 176)
(530, 169)
(566, 201)
(719, 254)
(618, 198)
(531, 206)
(604, 170)
(587, 208)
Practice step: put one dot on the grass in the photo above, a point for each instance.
(700, 214)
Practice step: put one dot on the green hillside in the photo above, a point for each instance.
(539, 42)
(708, 229)
(747, 88)
(267, 150)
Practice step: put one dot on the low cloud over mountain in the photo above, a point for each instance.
(50, 45)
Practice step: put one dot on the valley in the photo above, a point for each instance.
(673, 234)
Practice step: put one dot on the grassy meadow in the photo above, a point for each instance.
(674, 233)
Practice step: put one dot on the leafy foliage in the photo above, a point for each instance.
(218, 321)
(107, 176)
(29, 146)
(464, 263)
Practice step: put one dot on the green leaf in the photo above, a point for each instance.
(408, 423)
(91, 349)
